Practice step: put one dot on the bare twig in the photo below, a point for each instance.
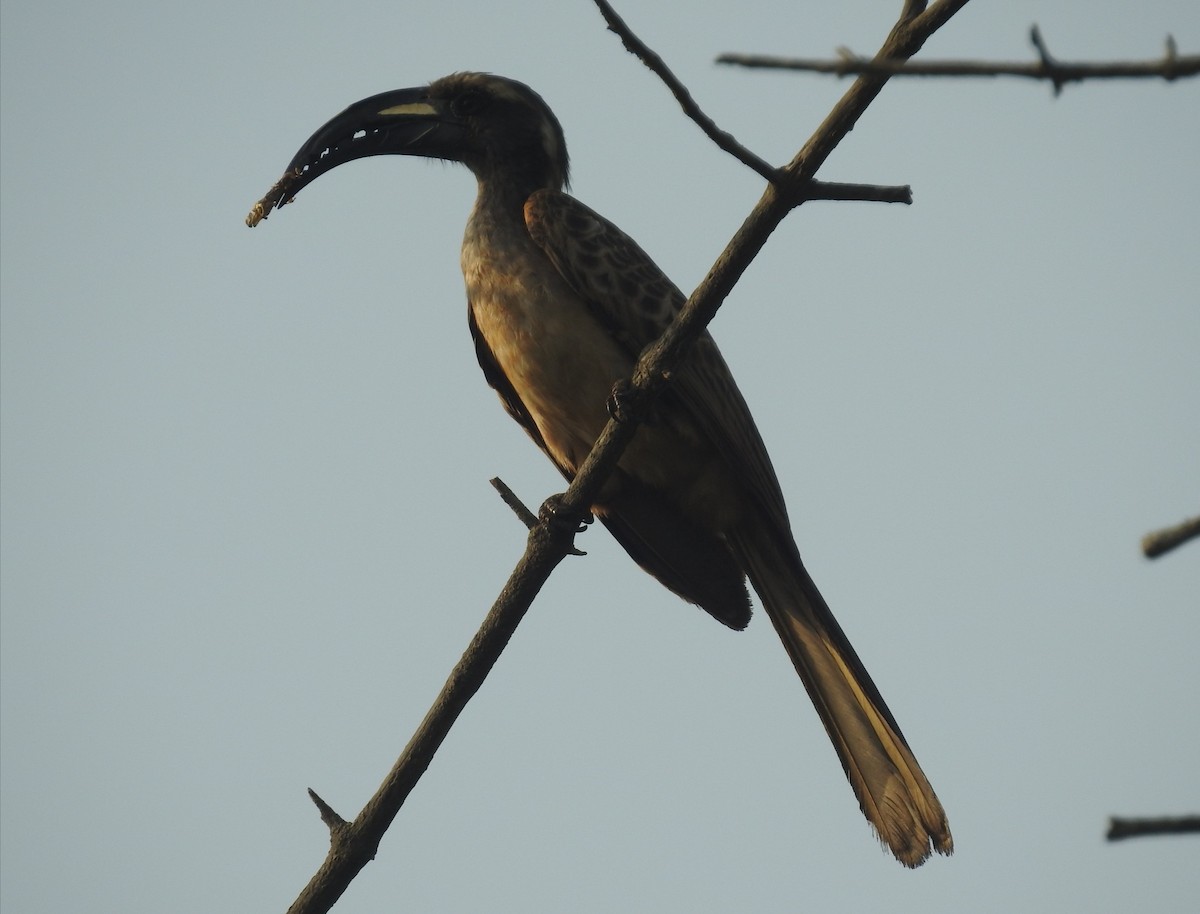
(1170, 66)
(723, 139)
(813, 190)
(527, 517)
(353, 846)
(1118, 828)
(873, 193)
(1162, 541)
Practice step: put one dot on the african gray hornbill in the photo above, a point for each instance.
(561, 302)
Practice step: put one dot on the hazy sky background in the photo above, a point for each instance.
(247, 529)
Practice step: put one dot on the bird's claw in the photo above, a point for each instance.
(623, 403)
(553, 513)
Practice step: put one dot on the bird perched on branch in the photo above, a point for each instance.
(561, 302)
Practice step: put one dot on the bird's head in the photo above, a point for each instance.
(499, 128)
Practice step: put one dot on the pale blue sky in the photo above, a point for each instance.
(247, 528)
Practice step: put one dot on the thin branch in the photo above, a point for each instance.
(1162, 541)
(527, 517)
(873, 193)
(1170, 66)
(352, 847)
(1119, 829)
(722, 138)
(813, 190)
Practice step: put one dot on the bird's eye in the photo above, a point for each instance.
(469, 103)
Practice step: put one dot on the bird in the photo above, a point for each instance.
(560, 304)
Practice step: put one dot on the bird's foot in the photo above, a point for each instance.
(553, 513)
(625, 402)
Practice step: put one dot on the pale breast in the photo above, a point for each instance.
(559, 360)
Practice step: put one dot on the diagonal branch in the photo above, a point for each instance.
(1170, 66)
(354, 844)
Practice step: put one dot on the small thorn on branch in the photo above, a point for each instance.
(1035, 38)
(332, 820)
(1049, 64)
(1171, 68)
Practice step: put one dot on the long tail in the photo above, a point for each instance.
(891, 788)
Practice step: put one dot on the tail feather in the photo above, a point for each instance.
(891, 789)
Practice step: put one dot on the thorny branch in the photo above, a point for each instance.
(353, 844)
(1169, 67)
